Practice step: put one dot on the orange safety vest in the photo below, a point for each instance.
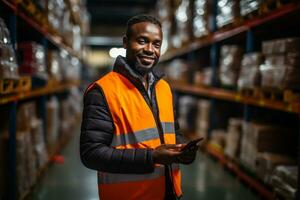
(135, 127)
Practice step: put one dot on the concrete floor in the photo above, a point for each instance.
(205, 179)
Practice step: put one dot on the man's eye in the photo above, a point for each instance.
(157, 45)
(141, 41)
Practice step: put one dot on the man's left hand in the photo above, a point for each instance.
(188, 156)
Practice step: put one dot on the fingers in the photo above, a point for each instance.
(170, 153)
(173, 146)
(186, 159)
(188, 156)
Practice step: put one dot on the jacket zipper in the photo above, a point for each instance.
(149, 103)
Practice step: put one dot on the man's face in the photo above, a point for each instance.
(143, 46)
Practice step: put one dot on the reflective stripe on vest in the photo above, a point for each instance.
(142, 135)
(135, 127)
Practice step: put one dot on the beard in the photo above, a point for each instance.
(141, 69)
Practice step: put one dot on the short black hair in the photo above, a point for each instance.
(138, 19)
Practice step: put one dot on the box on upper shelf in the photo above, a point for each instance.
(8, 63)
(227, 12)
(281, 69)
(250, 76)
(230, 63)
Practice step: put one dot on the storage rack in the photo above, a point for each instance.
(247, 28)
(49, 37)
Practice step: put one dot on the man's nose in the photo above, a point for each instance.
(149, 49)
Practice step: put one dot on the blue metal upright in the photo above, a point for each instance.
(214, 58)
(214, 50)
(45, 44)
(247, 113)
(250, 41)
(12, 163)
(12, 160)
(249, 48)
(13, 30)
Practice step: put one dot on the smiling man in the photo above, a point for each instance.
(129, 132)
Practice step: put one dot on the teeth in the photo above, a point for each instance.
(147, 59)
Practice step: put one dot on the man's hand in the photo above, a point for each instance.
(188, 156)
(166, 153)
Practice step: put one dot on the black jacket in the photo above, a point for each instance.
(97, 130)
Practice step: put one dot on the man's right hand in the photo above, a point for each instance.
(166, 153)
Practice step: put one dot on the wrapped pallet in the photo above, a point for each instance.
(250, 76)
(230, 62)
(187, 108)
(183, 17)
(54, 65)
(259, 137)
(233, 138)
(281, 69)
(203, 118)
(281, 46)
(203, 77)
(31, 152)
(249, 6)
(8, 63)
(201, 20)
(26, 113)
(52, 130)
(69, 110)
(267, 162)
(56, 10)
(228, 11)
(280, 77)
(25, 156)
(218, 138)
(66, 118)
(38, 143)
(177, 70)
(164, 13)
(25, 171)
(284, 181)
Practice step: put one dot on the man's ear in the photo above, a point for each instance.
(125, 42)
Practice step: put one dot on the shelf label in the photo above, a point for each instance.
(262, 102)
(238, 97)
(289, 107)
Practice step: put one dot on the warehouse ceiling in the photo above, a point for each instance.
(109, 17)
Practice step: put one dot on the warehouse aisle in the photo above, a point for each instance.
(70, 180)
(204, 179)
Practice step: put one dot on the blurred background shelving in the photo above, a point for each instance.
(235, 80)
(42, 59)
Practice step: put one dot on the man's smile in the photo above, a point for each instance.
(146, 59)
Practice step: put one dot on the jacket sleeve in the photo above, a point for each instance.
(97, 130)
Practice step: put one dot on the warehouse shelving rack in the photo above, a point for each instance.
(222, 94)
(214, 40)
(238, 171)
(221, 35)
(40, 26)
(11, 101)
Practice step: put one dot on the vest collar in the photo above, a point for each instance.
(124, 69)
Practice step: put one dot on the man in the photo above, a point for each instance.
(129, 133)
